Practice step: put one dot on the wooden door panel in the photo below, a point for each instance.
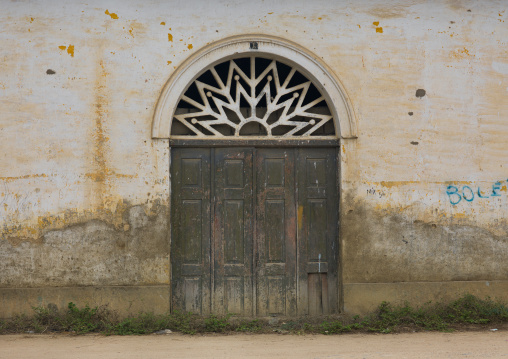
(317, 231)
(248, 225)
(192, 237)
(190, 211)
(233, 231)
(275, 232)
(275, 244)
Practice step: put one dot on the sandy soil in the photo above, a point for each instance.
(485, 344)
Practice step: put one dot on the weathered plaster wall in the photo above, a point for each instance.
(84, 190)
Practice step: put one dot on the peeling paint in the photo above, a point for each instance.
(70, 50)
(112, 15)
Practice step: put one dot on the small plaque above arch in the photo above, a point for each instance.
(253, 87)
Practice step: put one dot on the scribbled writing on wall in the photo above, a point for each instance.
(374, 192)
(470, 193)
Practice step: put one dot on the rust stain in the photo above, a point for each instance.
(170, 37)
(379, 29)
(10, 179)
(101, 189)
(461, 53)
(189, 46)
(113, 15)
(375, 23)
(32, 19)
(163, 23)
(62, 47)
(100, 172)
(130, 31)
(390, 184)
(97, 177)
(123, 175)
(170, 62)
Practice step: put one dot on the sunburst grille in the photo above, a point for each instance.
(252, 96)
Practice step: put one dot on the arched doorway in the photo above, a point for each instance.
(254, 182)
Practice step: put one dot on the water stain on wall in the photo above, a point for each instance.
(128, 246)
(377, 242)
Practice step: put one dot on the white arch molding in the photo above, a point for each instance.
(258, 45)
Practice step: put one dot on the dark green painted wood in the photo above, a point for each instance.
(275, 232)
(316, 181)
(190, 212)
(233, 231)
(254, 230)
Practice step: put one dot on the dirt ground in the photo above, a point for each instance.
(486, 344)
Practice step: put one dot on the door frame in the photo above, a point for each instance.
(255, 143)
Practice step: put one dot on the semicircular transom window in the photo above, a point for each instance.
(252, 97)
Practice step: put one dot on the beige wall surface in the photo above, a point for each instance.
(84, 189)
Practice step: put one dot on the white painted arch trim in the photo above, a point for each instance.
(269, 46)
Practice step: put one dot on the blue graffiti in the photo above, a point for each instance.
(456, 194)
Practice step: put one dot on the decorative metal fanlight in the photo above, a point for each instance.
(252, 96)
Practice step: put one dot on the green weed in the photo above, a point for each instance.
(252, 326)
(217, 324)
(466, 311)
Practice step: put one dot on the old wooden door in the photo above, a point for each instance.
(254, 231)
